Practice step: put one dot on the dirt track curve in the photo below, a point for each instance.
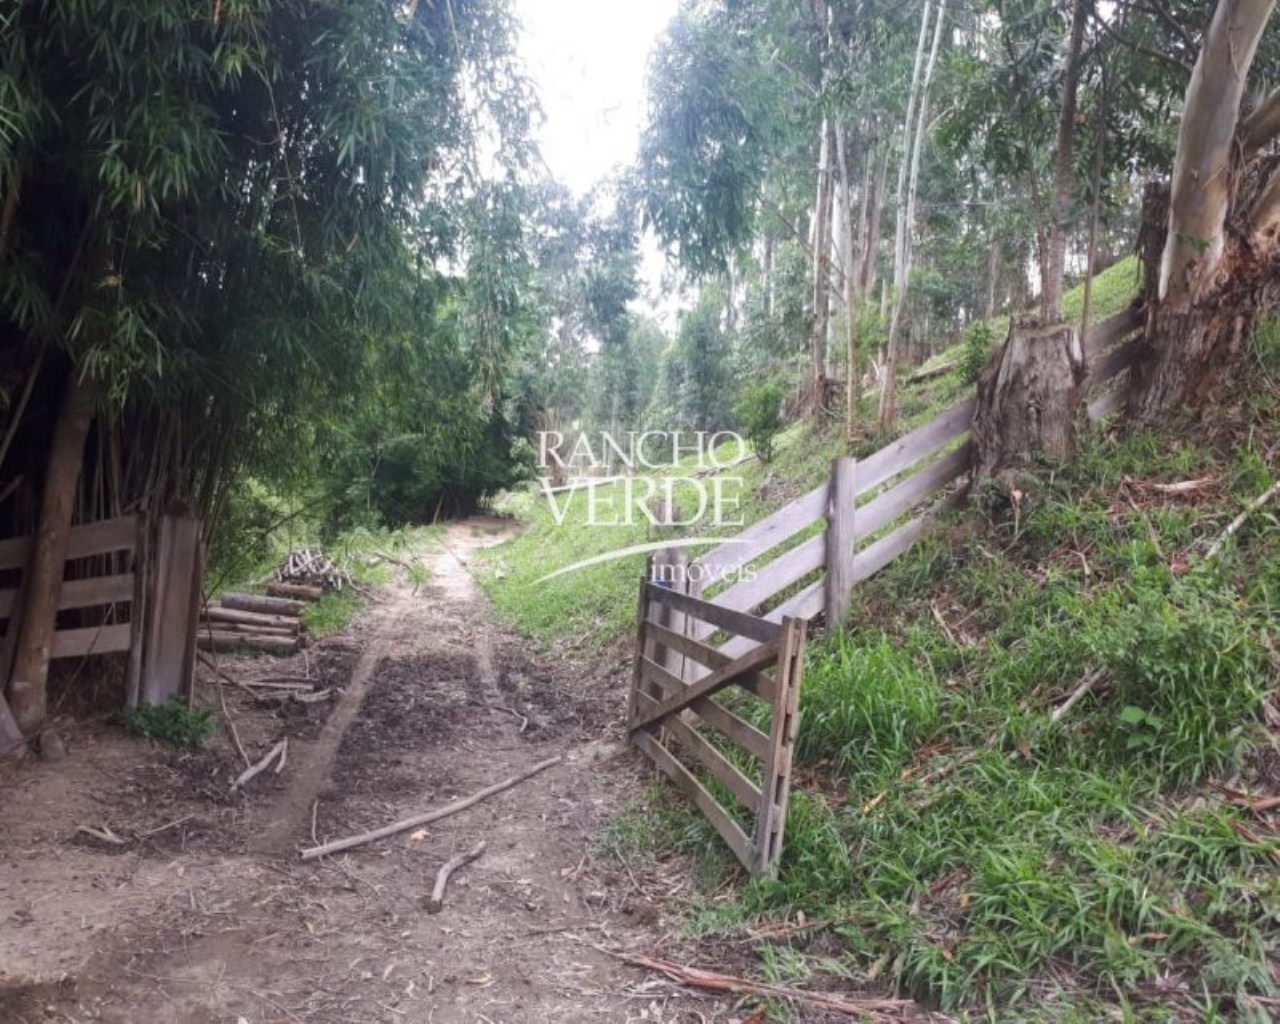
(206, 913)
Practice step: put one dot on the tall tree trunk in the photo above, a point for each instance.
(874, 220)
(907, 189)
(1055, 263)
(43, 586)
(821, 270)
(849, 248)
(1213, 279)
(1095, 211)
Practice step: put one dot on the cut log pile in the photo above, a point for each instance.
(263, 623)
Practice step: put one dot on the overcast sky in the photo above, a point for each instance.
(588, 59)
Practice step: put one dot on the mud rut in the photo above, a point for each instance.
(207, 915)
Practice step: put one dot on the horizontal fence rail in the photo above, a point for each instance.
(117, 536)
(690, 649)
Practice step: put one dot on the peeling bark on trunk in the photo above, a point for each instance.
(1028, 398)
(1191, 345)
(43, 582)
(1217, 244)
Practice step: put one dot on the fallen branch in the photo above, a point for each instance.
(712, 981)
(436, 902)
(218, 677)
(920, 376)
(422, 819)
(1078, 694)
(1240, 520)
(103, 835)
(257, 769)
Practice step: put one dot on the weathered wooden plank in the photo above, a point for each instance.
(106, 535)
(102, 537)
(170, 646)
(742, 732)
(724, 618)
(730, 831)
(884, 508)
(1114, 363)
(841, 537)
(764, 535)
(900, 455)
(77, 643)
(779, 574)
(81, 593)
(1101, 408)
(700, 659)
(1112, 329)
(99, 590)
(13, 552)
(743, 789)
(803, 604)
(772, 815)
(709, 685)
(10, 735)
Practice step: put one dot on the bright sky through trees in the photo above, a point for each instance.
(588, 59)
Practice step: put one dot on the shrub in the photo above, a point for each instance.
(978, 342)
(759, 412)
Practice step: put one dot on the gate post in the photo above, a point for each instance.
(173, 607)
(841, 537)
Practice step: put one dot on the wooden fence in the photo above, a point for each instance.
(864, 509)
(857, 541)
(668, 718)
(137, 584)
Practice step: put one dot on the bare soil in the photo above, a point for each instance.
(205, 913)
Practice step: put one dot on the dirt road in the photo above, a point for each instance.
(205, 913)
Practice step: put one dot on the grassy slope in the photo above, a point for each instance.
(958, 844)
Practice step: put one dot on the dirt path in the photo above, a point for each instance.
(206, 914)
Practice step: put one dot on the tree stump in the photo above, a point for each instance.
(1028, 398)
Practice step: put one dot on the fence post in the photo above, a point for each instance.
(841, 497)
(174, 604)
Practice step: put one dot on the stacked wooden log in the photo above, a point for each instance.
(272, 624)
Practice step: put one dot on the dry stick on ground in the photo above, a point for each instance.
(218, 677)
(104, 835)
(254, 770)
(1086, 685)
(1240, 520)
(715, 982)
(436, 902)
(422, 819)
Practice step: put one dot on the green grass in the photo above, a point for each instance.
(966, 850)
(331, 614)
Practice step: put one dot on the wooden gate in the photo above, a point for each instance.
(683, 728)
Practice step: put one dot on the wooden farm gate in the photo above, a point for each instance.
(138, 583)
(669, 720)
(806, 559)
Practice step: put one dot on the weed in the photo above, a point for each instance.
(173, 723)
(331, 614)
